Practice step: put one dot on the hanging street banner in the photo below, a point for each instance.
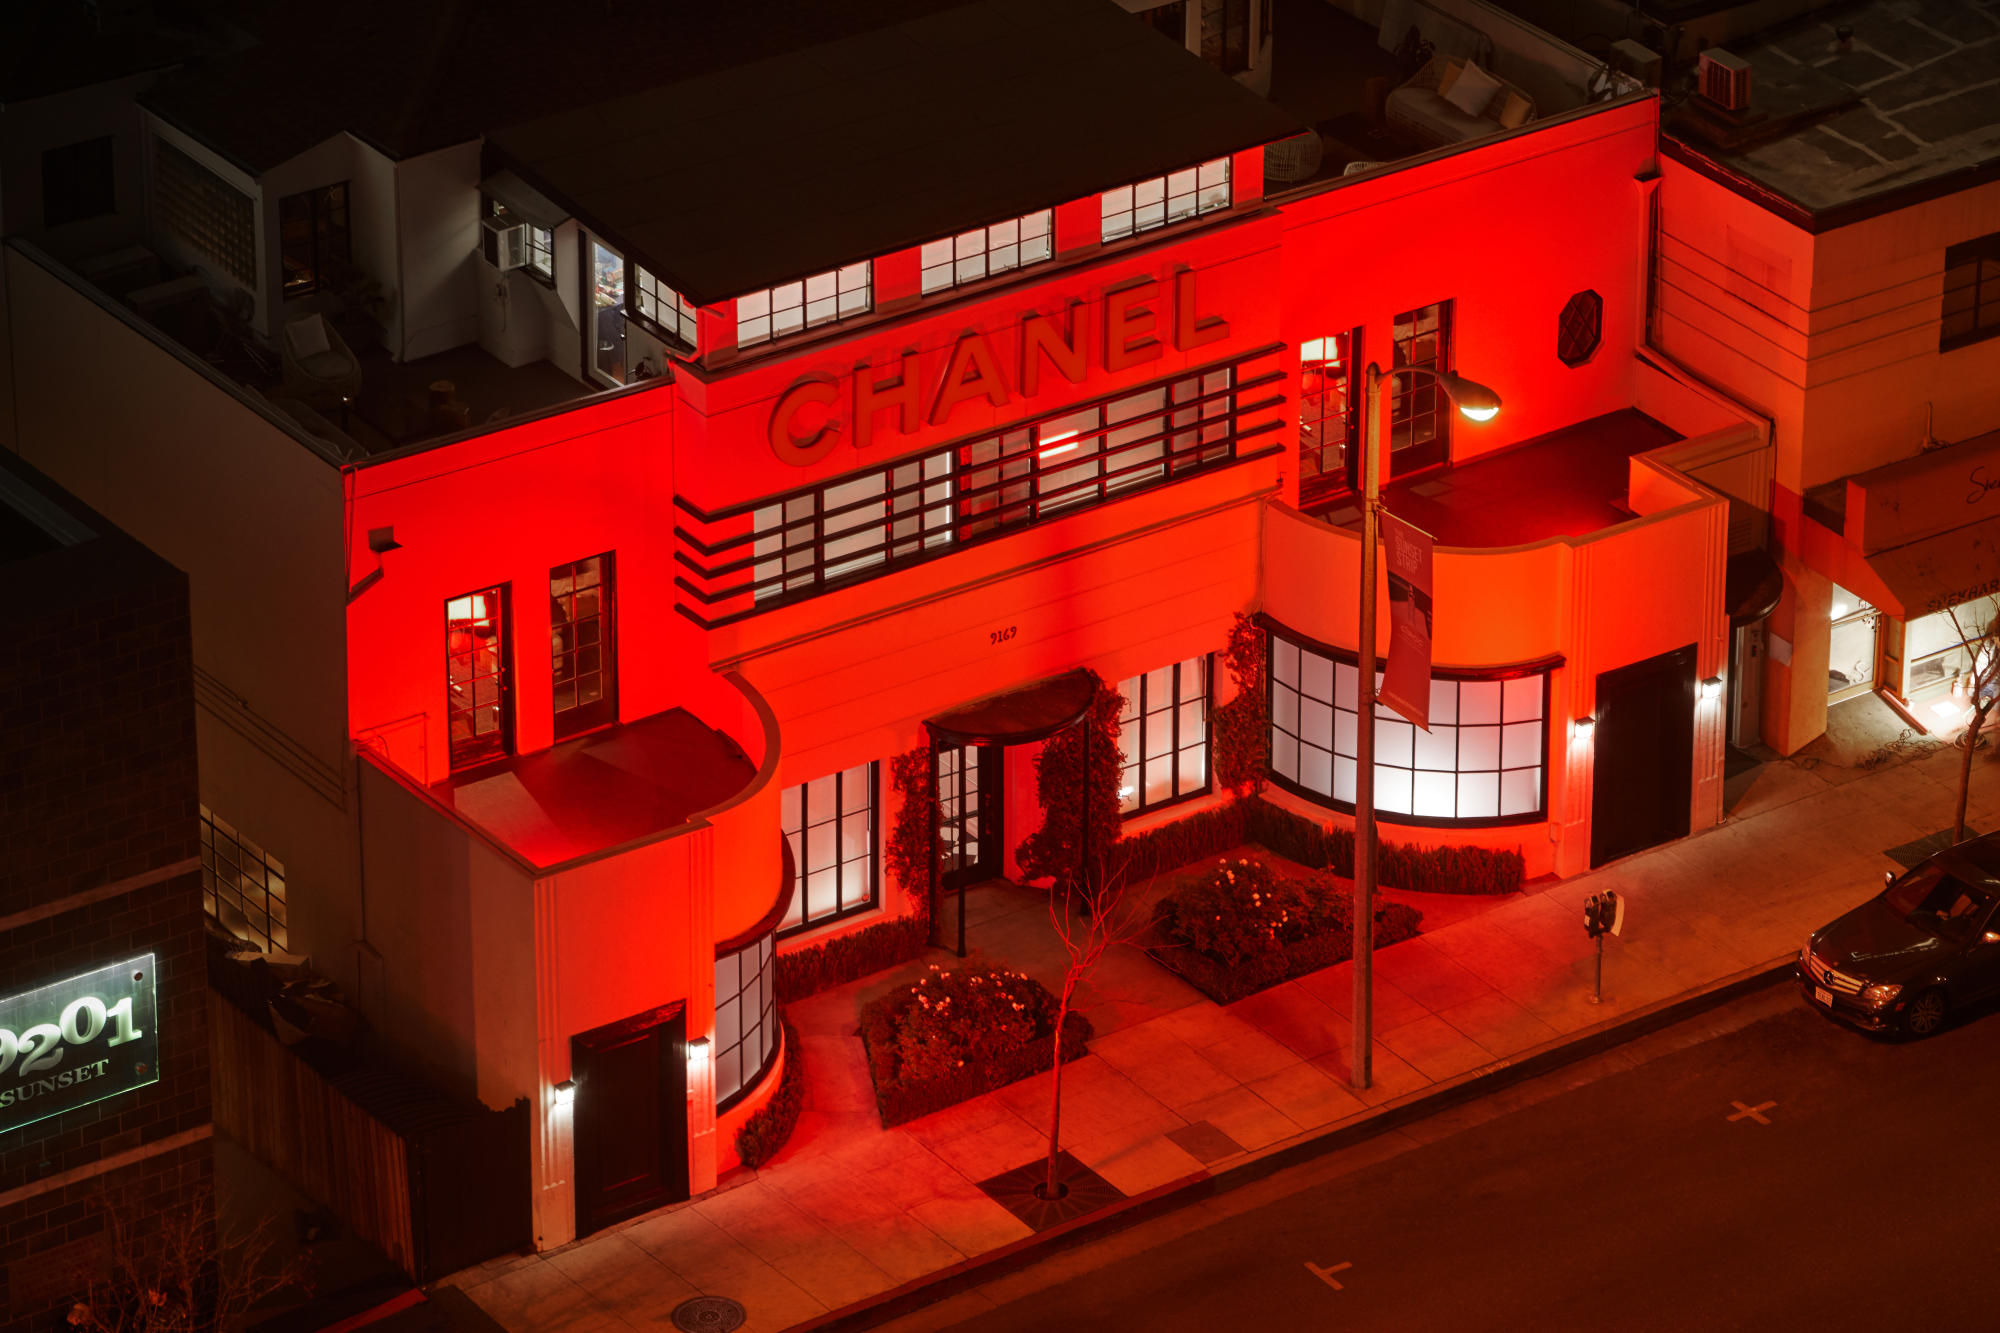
(1406, 680)
(78, 1041)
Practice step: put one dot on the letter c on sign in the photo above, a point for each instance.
(802, 449)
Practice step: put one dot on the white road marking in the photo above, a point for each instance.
(1752, 1112)
(1326, 1274)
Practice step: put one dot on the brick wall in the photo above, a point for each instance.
(98, 788)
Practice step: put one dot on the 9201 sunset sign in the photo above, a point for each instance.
(74, 1042)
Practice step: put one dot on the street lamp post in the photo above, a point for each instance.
(1477, 403)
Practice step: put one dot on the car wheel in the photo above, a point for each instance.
(1925, 1014)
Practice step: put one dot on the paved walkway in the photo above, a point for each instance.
(1175, 1086)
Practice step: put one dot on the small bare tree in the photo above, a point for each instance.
(1984, 646)
(180, 1271)
(1094, 917)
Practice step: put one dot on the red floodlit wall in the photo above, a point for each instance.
(505, 508)
(1507, 231)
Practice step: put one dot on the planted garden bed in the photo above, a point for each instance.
(1236, 926)
(957, 1033)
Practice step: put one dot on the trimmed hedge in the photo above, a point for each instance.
(901, 1101)
(1225, 984)
(835, 962)
(1314, 845)
(765, 1132)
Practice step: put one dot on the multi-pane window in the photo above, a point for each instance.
(540, 241)
(898, 512)
(242, 885)
(791, 306)
(1419, 416)
(476, 676)
(1971, 293)
(985, 251)
(205, 212)
(830, 825)
(1327, 416)
(1484, 759)
(746, 1018)
(580, 638)
(1147, 204)
(1163, 733)
(662, 306)
(79, 181)
(313, 238)
(1225, 34)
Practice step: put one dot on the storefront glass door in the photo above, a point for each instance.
(1850, 659)
(969, 813)
(604, 280)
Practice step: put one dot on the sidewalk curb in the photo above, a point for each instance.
(920, 1292)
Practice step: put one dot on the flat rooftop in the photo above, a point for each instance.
(740, 178)
(602, 790)
(1910, 97)
(1568, 483)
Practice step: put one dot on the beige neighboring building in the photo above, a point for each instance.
(1843, 278)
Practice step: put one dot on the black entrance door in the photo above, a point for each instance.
(1645, 755)
(970, 813)
(631, 1116)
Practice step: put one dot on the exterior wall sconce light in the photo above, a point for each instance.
(1711, 687)
(1583, 728)
(381, 541)
(697, 1052)
(565, 1092)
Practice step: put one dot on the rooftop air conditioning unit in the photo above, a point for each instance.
(504, 244)
(1725, 79)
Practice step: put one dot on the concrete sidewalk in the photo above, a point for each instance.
(1178, 1089)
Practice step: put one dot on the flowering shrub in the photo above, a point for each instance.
(1239, 927)
(958, 1032)
(1241, 908)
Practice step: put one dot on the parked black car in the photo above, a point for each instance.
(1927, 945)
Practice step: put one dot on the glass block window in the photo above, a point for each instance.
(831, 826)
(205, 212)
(1163, 734)
(1147, 204)
(580, 639)
(792, 306)
(242, 885)
(1971, 293)
(746, 1019)
(985, 251)
(662, 307)
(1483, 761)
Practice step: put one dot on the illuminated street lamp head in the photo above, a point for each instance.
(1475, 401)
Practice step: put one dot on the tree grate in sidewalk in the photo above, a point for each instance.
(1086, 1192)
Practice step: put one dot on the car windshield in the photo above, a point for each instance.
(1931, 900)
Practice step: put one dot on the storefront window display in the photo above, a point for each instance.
(1939, 649)
(1850, 660)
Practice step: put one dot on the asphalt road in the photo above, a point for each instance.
(1871, 1200)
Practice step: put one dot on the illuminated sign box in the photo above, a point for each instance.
(79, 1041)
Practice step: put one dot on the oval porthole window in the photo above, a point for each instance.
(1580, 328)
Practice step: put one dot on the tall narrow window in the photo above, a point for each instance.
(580, 637)
(1327, 419)
(313, 237)
(746, 1019)
(1225, 34)
(242, 885)
(1163, 733)
(830, 824)
(1419, 417)
(1971, 293)
(476, 676)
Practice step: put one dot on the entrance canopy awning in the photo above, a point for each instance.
(1752, 587)
(1926, 576)
(1020, 716)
